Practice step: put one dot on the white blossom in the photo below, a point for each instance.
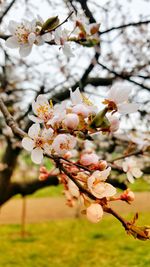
(81, 104)
(42, 109)
(119, 95)
(73, 189)
(24, 35)
(36, 142)
(62, 143)
(132, 170)
(61, 38)
(98, 187)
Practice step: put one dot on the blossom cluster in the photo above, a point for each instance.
(25, 34)
(55, 132)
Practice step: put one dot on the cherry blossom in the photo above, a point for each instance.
(24, 35)
(130, 167)
(81, 104)
(73, 189)
(89, 158)
(62, 143)
(42, 109)
(117, 100)
(94, 212)
(36, 142)
(61, 38)
(98, 187)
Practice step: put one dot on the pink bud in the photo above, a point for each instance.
(128, 196)
(94, 212)
(71, 121)
(88, 159)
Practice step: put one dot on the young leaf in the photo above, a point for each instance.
(50, 24)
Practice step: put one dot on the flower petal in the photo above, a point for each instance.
(130, 177)
(37, 155)
(137, 172)
(12, 42)
(47, 37)
(34, 130)
(76, 97)
(25, 50)
(35, 119)
(67, 50)
(31, 38)
(27, 143)
(127, 108)
(12, 26)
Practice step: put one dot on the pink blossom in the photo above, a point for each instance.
(94, 212)
(62, 143)
(88, 159)
(71, 121)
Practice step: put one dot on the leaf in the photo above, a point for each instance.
(50, 24)
(99, 119)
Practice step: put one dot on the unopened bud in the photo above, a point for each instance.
(102, 165)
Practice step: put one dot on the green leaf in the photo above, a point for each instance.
(89, 42)
(50, 24)
(99, 119)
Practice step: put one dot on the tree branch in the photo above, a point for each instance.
(131, 24)
(10, 121)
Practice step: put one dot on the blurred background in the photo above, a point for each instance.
(36, 226)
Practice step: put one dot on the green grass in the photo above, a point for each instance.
(52, 191)
(73, 243)
(140, 185)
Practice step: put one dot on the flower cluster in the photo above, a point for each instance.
(55, 133)
(62, 125)
(37, 32)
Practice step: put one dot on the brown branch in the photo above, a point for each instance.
(10, 121)
(65, 20)
(6, 10)
(138, 152)
(29, 187)
(131, 24)
(124, 77)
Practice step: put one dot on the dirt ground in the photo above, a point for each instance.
(45, 209)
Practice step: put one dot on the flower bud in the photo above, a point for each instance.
(71, 121)
(88, 159)
(94, 213)
(127, 196)
(102, 165)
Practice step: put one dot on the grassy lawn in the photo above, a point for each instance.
(73, 243)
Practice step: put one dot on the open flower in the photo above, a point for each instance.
(61, 38)
(62, 143)
(94, 212)
(73, 189)
(98, 187)
(117, 100)
(37, 141)
(42, 109)
(81, 105)
(130, 167)
(24, 35)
